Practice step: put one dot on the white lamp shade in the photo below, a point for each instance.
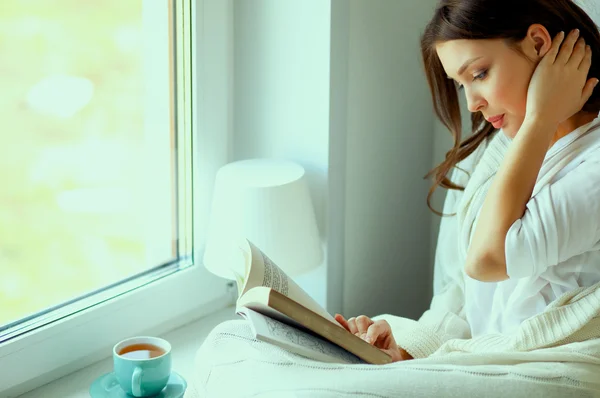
(267, 202)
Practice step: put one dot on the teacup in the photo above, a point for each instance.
(142, 365)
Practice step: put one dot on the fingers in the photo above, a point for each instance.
(362, 323)
(579, 52)
(588, 90)
(379, 328)
(591, 84)
(357, 326)
(349, 324)
(352, 325)
(342, 321)
(553, 52)
(567, 47)
(586, 61)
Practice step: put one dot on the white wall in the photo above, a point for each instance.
(388, 151)
(281, 95)
(338, 86)
(338, 121)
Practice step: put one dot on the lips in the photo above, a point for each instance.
(497, 121)
(495, 118)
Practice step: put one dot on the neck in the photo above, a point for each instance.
(572, 123)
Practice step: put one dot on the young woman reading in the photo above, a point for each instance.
(516, 306)
(522, 222)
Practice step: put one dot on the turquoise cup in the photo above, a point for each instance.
(138, 372)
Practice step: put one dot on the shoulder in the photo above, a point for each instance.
(583, 161)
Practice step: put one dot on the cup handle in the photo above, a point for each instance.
(136, 382)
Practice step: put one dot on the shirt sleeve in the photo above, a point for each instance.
(560, 222)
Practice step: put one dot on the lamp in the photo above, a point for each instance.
(267, 202)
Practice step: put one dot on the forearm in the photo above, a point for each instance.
(506, 200)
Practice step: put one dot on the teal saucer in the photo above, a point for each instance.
(106, 386)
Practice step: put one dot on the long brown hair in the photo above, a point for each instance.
(491, 19)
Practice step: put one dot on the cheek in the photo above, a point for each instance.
(521, 87)
(519, 98)
(510, 94)
(515, 101)
(521, 77)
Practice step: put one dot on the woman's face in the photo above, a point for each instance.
(494, 77)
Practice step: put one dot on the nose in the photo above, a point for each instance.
(475, 102)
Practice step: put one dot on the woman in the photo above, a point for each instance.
(517, 298)
(529, 79)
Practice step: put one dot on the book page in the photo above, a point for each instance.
(275, 305)
(296, 340)
(263, 272)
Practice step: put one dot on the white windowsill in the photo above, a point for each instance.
(185, 342)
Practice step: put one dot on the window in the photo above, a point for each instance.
(101, 211)
(91, 169)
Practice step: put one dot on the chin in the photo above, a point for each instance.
(510, 129)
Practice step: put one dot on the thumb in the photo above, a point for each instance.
(588, 90)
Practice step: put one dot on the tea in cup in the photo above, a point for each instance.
(142, 365)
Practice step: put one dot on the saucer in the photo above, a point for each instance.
(107, 386)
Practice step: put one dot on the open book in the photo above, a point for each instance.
(282, 313)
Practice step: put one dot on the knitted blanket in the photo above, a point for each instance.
(561, 361)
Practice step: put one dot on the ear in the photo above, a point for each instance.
(537, 42)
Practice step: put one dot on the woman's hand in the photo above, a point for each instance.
(559, 87)
(377, 333)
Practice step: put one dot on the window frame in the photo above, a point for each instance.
(80, 339)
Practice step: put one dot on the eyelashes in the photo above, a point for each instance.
(482, 75)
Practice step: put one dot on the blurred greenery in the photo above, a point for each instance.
(71, 107)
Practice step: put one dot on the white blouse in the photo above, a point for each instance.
(552, 249)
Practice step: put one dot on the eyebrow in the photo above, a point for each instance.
(462, 69)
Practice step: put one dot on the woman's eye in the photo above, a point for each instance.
(481, 76)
